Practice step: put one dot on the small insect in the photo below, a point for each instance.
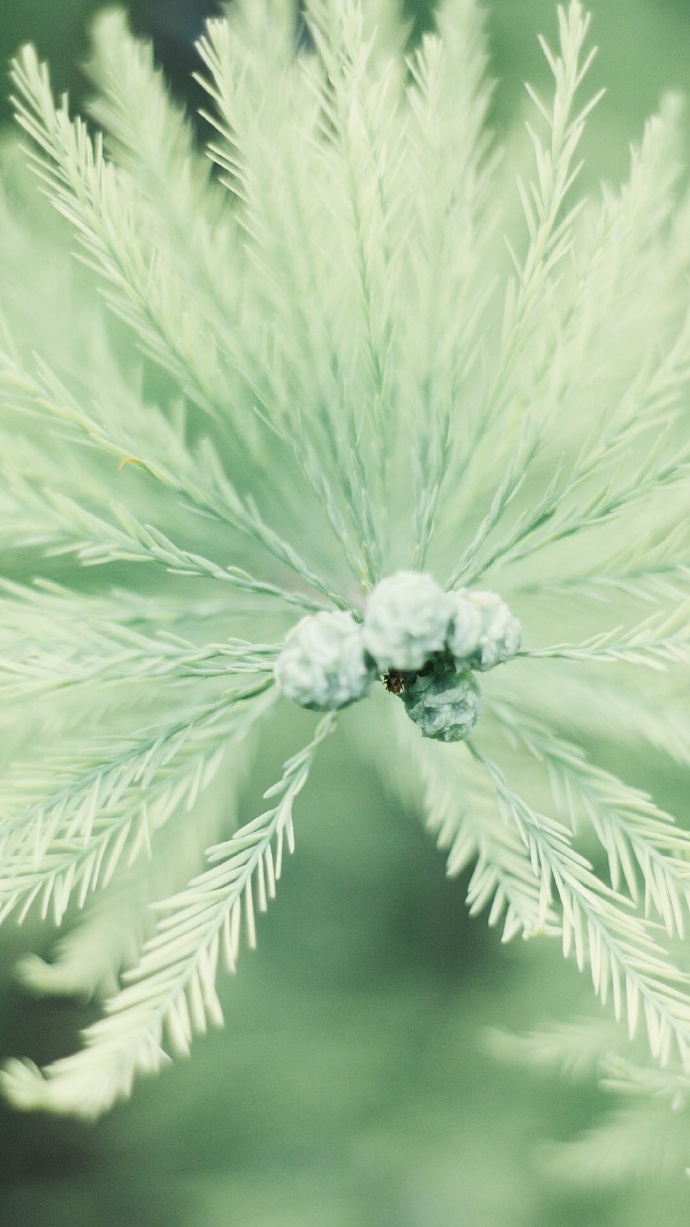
(394, 681)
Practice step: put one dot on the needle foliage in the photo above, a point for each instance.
(242, 389)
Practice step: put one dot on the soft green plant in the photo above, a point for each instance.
(333, 370)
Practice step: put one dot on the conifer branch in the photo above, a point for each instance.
(68, 831)
(461, 811)
(640, 840)
(171, 992)
(623, 957)
(661, 639)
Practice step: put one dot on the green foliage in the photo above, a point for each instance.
(295, 376)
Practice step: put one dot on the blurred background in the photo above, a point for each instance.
(352, 1086)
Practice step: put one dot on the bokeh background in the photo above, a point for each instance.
(352, 1086)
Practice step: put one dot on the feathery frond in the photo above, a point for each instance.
(68, 830)
(628, 824)
(171, 990)
(331, 377)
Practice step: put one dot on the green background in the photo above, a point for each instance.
(351, 1087)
